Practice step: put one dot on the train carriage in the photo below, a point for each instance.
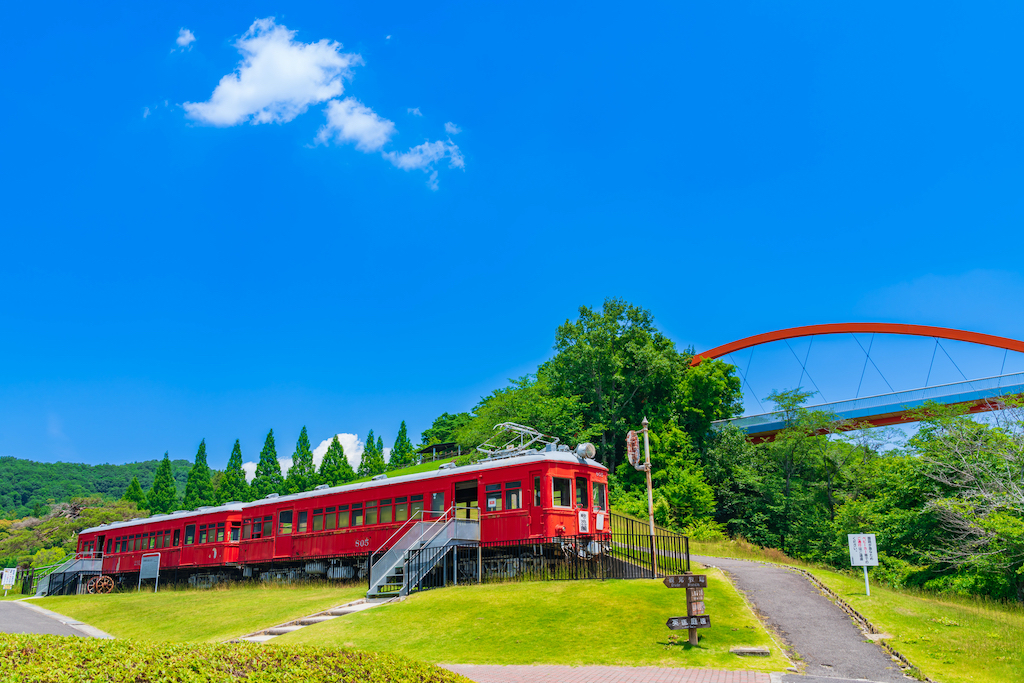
(331, 531)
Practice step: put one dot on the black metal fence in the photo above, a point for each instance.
(629, 551)
(69, 583)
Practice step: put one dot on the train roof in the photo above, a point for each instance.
(525, 459)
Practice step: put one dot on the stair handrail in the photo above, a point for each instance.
(419, 539)
(386, 545)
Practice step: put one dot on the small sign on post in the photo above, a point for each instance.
(695, 617)
(686, 581)
(863, 553)
(9, 577)
(150, 569)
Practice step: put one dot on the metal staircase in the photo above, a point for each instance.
(427, 543)
(65, 579)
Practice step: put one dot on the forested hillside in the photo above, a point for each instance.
(26, 486)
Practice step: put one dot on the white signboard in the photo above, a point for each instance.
(863, 551)
(600, 521)
(584, 522)
(150, 567)
(10, 575)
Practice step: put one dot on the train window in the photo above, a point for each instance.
(416, 507)
(385, 511)
(330, 519)
(202, 533)
(235, 528)
(284, 522)
(257, 528)
(159, 539)
(357, 514)
(560, 492)
(437, 502)
(190, 534)
(343, 516)
(600, 496)
(220, 533)
(301, 529)
(246, 529)
(371, 512)
(581, 492)
(268, 525)
(401, 509)
(513, 495)
(536, 492)
(177, 537)
(318, 519)
(110, 544)
(494, 498)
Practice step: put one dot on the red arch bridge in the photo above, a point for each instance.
(895, 407)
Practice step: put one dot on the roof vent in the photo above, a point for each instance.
(448, 466)
(204, 507)
(321, 487)
(379, 477)
(179, 512)
(235, 502)
(272, 495)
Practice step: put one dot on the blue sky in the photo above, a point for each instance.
(245, 226)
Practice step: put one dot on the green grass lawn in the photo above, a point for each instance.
(415, 469)
(952, 640)
(571, 622)
(212, 615)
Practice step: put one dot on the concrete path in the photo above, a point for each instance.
(829, 643)
(24, 617)
(602, 674)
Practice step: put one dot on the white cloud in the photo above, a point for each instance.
(387, 38)
(145, 112)
(452, 129)
(250, 471)
(277, 78)
(350, 443)
(415, 111)
(185, 38)
(350, 121)
(387, 455)
(424, 156)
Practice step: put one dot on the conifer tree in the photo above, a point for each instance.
(135, 494)
(199, 489)
(401, 454)
(233, 485)
(268, 477)
(372, 462)
(335, 469)
(302, 473)
(163, 497)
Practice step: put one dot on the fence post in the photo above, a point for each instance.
(654, 567)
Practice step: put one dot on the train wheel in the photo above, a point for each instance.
(100, 584)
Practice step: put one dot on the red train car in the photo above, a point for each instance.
(331, 531)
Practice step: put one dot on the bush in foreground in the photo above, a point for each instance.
(56, 659)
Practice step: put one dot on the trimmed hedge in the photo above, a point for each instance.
(58, 659)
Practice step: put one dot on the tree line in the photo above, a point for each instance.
(204, 486)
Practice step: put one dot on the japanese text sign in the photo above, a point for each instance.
(863, 551)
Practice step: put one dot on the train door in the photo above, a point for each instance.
(188, 549)
(283, 539)
(99, 546)
(536, 503)
(467, 505)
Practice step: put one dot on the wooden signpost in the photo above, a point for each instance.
(695, 617)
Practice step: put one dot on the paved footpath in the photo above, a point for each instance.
(23, 617)
(826, 638)
(601, 674)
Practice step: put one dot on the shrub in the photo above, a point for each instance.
(55, 659)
